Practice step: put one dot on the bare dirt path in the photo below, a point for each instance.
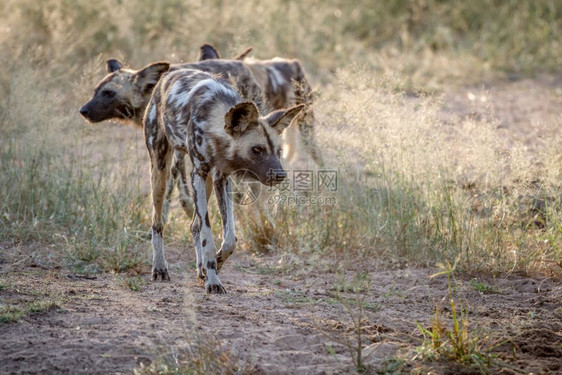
(526, 110)
(273, 320)
(284, 315)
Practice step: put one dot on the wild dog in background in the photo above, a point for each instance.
(124, 94)
(283, 83)
(198, 114)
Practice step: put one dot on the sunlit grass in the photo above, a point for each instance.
(406, 190)
(414, 189)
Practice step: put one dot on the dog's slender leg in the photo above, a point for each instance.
(223, 190)
(201, 230)
(198, 251)
(179, 176)
(185, 199)
(160, 165)
(170, 189)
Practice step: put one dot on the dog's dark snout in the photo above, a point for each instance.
(84, 111)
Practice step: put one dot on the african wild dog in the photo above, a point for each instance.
(199, 114)
(283, 83)
(124, 94)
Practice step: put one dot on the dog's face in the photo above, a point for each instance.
(123, 93)
(256, 144)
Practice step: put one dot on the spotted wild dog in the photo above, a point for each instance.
(124, 94)
(284, 83)
(195, 113)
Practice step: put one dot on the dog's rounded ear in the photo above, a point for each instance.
(113, 65)
(241, 118)
(148, 77)
(282, 118)
(208, 52)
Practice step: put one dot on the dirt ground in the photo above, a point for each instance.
(526, 110)
(281, 314)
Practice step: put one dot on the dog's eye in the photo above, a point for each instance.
(108, 94)
(258, 150)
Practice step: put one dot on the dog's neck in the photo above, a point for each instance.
(138, 115)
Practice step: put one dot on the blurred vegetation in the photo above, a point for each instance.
(510, 35)
(401, 194)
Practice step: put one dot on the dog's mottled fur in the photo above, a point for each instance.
(284, 83)
(124, 94)
(201, 115)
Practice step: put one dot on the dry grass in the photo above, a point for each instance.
(406, 190)
(196, 356)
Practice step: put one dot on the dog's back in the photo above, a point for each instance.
(282, 81)
(234, 71)
(183, 97)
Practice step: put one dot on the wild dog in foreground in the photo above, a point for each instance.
(284, 83)
(124, 94)
(201, 115)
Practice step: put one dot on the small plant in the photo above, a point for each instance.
(393, 291)
(359, 284)
(10, 314)
(394, 365)
(458, 344)
(295, 298)
(483, 288)
(134, 283)
(37, 307)
(355, 310)
(125, 257)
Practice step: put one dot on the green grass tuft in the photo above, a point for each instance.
(10, 314)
